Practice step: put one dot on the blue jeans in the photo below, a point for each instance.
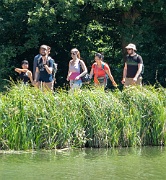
(75, 84)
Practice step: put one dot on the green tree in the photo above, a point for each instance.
(91, 26)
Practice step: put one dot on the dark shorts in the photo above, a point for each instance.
(102, 81)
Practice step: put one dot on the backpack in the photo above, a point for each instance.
(86, 77)
(142, 72)
(55, 69)
(102, 65)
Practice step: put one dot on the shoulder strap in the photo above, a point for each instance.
(50, 59)
(38, 60)
(102, 65)
(81, 69)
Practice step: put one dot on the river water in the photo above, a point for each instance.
(85, 164)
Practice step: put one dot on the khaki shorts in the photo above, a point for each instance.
(129, 82)
(46, 86)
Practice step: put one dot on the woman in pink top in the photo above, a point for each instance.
(74, 75)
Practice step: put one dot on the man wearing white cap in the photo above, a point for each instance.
(133, 67)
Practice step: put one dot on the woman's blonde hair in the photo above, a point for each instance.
(77, 51)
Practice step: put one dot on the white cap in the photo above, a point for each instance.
(131, 46)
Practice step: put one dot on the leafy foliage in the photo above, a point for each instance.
(91, 26)
(31, 119)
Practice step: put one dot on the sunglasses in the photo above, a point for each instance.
(73, 53)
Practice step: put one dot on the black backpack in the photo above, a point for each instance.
(55, 69)
(86, 78)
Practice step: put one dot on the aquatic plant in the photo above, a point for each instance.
(31, 119)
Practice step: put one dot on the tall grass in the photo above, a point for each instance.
(31, 119)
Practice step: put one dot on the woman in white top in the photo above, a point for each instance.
(74, 72)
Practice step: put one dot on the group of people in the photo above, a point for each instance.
(43, 67)
(42, 76)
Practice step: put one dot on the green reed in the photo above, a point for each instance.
(31, 119)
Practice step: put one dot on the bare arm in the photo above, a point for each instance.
(36, 74)
(30, 76)
(110, 76)
(138, 72)
(91, 73)
(20, 70)
(69, 73)
(84, 68)
(48, 69)
(124, 73)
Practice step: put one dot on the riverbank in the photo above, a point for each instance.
(31, 119)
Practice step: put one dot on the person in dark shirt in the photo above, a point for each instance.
(44, 68)
(24, 73)
(133, 67)
(37, 57)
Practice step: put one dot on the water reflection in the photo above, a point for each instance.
(119, 163)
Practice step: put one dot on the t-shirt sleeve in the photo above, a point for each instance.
(37, 65)
(125, 60)
(51, 63)
(36, 61)
(139, 58)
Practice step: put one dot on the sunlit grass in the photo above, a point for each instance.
(31, 119)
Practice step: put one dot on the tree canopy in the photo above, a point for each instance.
(91, 26)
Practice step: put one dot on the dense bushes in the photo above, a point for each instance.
(31, 119)
(91, 26)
